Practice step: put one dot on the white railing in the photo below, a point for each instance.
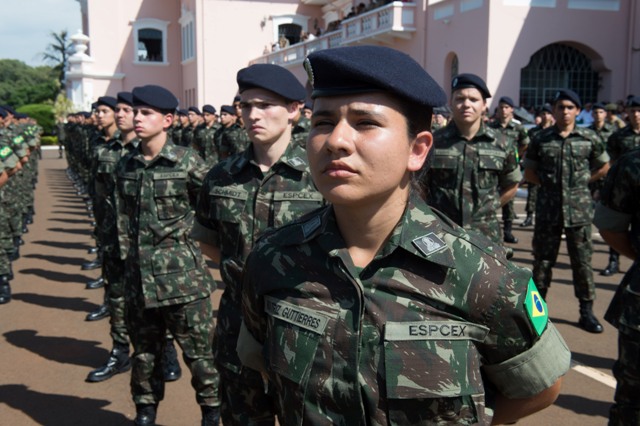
(394, 19)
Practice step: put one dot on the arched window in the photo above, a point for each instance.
(291, 32)
(557, 66)
(150, 38)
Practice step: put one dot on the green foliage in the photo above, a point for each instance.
(21, 84)
(48, 140)
(42, 113)
(62, 107)
(57, 53)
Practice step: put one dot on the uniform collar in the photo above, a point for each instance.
(293, 157)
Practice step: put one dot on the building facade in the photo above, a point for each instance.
(525, 49)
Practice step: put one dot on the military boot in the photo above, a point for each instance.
(508, 236)
(170, 365)
(5, 289)
(94, 264)
(613, 267)
(145, 414)
(118, 362)
(210, 415)
(94, 284)
(98, 314)
(588, 321)
(528, 221)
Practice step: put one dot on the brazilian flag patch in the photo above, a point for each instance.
(536, 308)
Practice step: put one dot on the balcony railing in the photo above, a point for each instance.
(394, 20)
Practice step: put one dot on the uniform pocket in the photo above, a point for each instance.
(490, 163)
(447, 170)
(175, 273)
(290, 205)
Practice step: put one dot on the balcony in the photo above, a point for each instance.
(381, 25)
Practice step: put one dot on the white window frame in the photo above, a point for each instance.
(154, 24)
(278, 20)
(188, 28)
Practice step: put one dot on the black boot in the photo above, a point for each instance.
(613, 266)
(210, 415)
(94, 284)
(528, 221)
(145, 414)
(118, 362)
(94, 264)
(93, 250)
(5, 290)
(98, 314)
(28, 219)
(170, 365)
(588, 321)
(508, 236)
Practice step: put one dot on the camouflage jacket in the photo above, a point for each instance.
(300, 132)
(564, 168)
(619, 211)
(436, 322)
(622, 142)
(206, 144)
(156, 202)
(233, 140)
(237, 204)
(466, 177)
(604, 132)
(108, 156)
(516, 132)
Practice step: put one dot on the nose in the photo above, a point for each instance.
(340, 138)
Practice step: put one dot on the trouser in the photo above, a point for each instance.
(192, 327)
(532, 196)
(244, 401)
(626, 410)
(509, 212)
(113, 273)
(546, 244)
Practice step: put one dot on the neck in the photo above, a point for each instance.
(505, 121)
(565, 129)
(127, 136)
(267, 154)
(151, 147)
(110, 131)
(366, 228)
(468, 131)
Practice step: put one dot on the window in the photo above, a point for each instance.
(150, 37)
(188, 35)
(289, 27)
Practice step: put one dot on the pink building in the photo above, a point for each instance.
(524, 49)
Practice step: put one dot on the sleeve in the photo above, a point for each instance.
(532, 157)
(511, 173)
(613, 146)
(205, 229)
(619, 199)
(599, 156)
(197, 170)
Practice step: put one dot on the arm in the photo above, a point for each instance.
(620, 242)
(508, 193)
(211, 251)
(600, 173)
(510, 410)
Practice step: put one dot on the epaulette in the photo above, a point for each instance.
(300, 230)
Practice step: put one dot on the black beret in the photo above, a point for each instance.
(8, 109)
(237, 98)
(546, 108)
(19, 115)
(465, 81)
(362, 69)
(507, 100)
(228, 109)
(633, 101)
(567, 95)
(598, 105)
(108, 101)
(3, 113)
(209, 108)
(94, 106)
(125, 98)
(195, 109)
(86, 114)
(155, 97)
(273, 78)
(308, 105)
(182, 112)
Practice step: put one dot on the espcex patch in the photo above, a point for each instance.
(536, 308)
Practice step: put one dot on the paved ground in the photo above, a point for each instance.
(47, 349)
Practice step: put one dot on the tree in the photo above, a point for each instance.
(21, 84)
(57, 54)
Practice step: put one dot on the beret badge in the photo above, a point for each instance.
(309, 69)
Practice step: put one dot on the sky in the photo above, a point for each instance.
(26, 25)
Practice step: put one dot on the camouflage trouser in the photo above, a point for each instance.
(532, 196)
(244, 401)
(192, 327)
(626, 410)
(546, 244)
(113, 273)
(509, 212)
(6, 241)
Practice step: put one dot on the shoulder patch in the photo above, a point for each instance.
(311, 225)
(536, 308)
(429, 243)
(297, 162)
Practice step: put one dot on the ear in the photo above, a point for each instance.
(167, 121)
(293, 108)
(422, 144)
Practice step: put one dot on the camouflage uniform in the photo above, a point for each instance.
(621, 142)
(237, 203)
(8, 160)
(233, 140)
(300, 132)
(532, 188)
(167, 282)
(564, 203)
(427, 333)
(466, 176)
(619, 211)
(520, 140)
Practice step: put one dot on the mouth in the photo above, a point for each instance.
(338, 169)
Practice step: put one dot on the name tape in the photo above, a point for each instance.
(293, 314)
(434, 330)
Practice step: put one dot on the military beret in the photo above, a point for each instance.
(273, 78)
(237, 98)
(108, 101)
(19, 115)
(195, 109)
(125, 98)
(228, 109)
(507, 100)
(308, 105)
(465, 81)
(547, 108)
(86, 114)
(209, 108)
(598, 105)
(362, 69)
(8, 109)
(3, 113)
(567, 95)
(182, 112)
(155, 97)
(94, 106)
(633, 101)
